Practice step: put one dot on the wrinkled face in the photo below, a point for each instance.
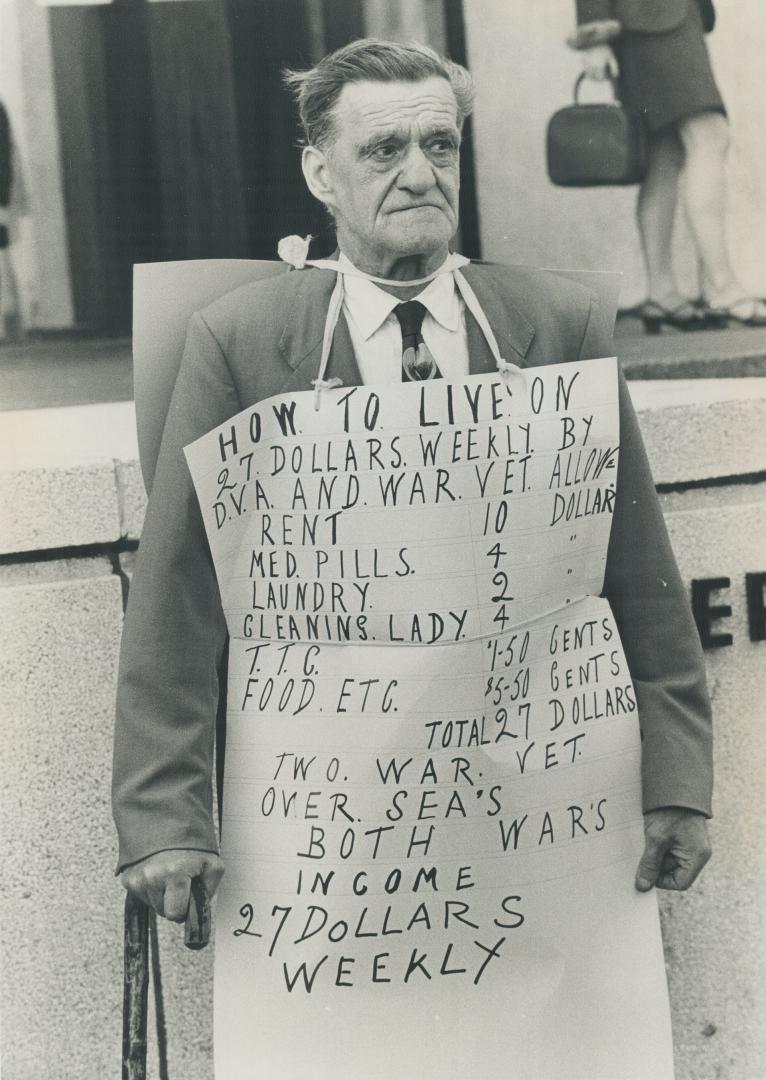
(392, 170)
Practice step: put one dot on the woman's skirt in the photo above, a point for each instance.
(668, 77)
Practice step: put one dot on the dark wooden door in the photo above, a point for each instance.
(179, 140)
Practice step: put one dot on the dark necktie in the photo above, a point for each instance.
(417, 361)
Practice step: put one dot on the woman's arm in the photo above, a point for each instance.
(596, 24)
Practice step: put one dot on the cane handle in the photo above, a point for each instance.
(197, 929)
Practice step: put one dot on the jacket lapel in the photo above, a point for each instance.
(480, 359)
(513, 331)
(301, 340)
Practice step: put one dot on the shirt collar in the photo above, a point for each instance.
(369, 306)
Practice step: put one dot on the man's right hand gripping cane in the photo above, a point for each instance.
(163, 880)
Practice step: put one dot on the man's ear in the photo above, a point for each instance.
(318, 176)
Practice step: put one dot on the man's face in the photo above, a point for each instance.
(392, 171)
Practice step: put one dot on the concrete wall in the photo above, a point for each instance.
(524, 72)
(715, 938)
(60, 931)
(70, 487)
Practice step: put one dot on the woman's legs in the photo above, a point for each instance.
(705, 140)
(10, 314)
(656, 210)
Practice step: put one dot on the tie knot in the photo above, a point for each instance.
(410, 316)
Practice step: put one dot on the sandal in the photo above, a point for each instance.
(746, 311)
(687, 316)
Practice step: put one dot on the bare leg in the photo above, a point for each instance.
(10, 308)
(656, 211)
(705, 139)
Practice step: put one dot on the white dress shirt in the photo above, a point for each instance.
(377, 336)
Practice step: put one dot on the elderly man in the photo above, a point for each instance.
(382, 125)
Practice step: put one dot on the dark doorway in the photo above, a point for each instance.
(179, 140)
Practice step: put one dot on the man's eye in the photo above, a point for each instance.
(442, 147)
(385, 152)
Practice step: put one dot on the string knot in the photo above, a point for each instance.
(507, 369)
(324, 384)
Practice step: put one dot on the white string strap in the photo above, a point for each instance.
(333, 314)
(505, 367)
(294, 250)
(450, 264)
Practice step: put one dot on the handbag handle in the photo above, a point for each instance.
(584, 75)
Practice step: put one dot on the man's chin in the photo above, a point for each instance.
(424, 242)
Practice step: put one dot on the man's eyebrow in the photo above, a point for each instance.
(394, 135)
(390, 135)
(443, 133)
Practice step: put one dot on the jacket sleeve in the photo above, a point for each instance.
(596, 24)
(173, 636)
(658, 633)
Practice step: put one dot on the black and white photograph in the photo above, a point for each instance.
(382, 560)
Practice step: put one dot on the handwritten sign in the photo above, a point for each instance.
(432, 794)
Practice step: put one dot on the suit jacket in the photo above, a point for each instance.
(636, 16)
(264, 339)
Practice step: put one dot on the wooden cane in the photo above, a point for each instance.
(136, 976)
(197, 929)
(135, 989)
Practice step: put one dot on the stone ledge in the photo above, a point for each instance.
(707, 354)
(702, 429)
(58, 477)
(46, 571)
(132, 498)
(58, 507)
(71, 476)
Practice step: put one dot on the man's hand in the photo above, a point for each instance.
(599, 62)
(163, 881)
(677, 847)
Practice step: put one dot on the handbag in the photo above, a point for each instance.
(589, 145)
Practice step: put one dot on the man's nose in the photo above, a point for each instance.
(417, 173)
